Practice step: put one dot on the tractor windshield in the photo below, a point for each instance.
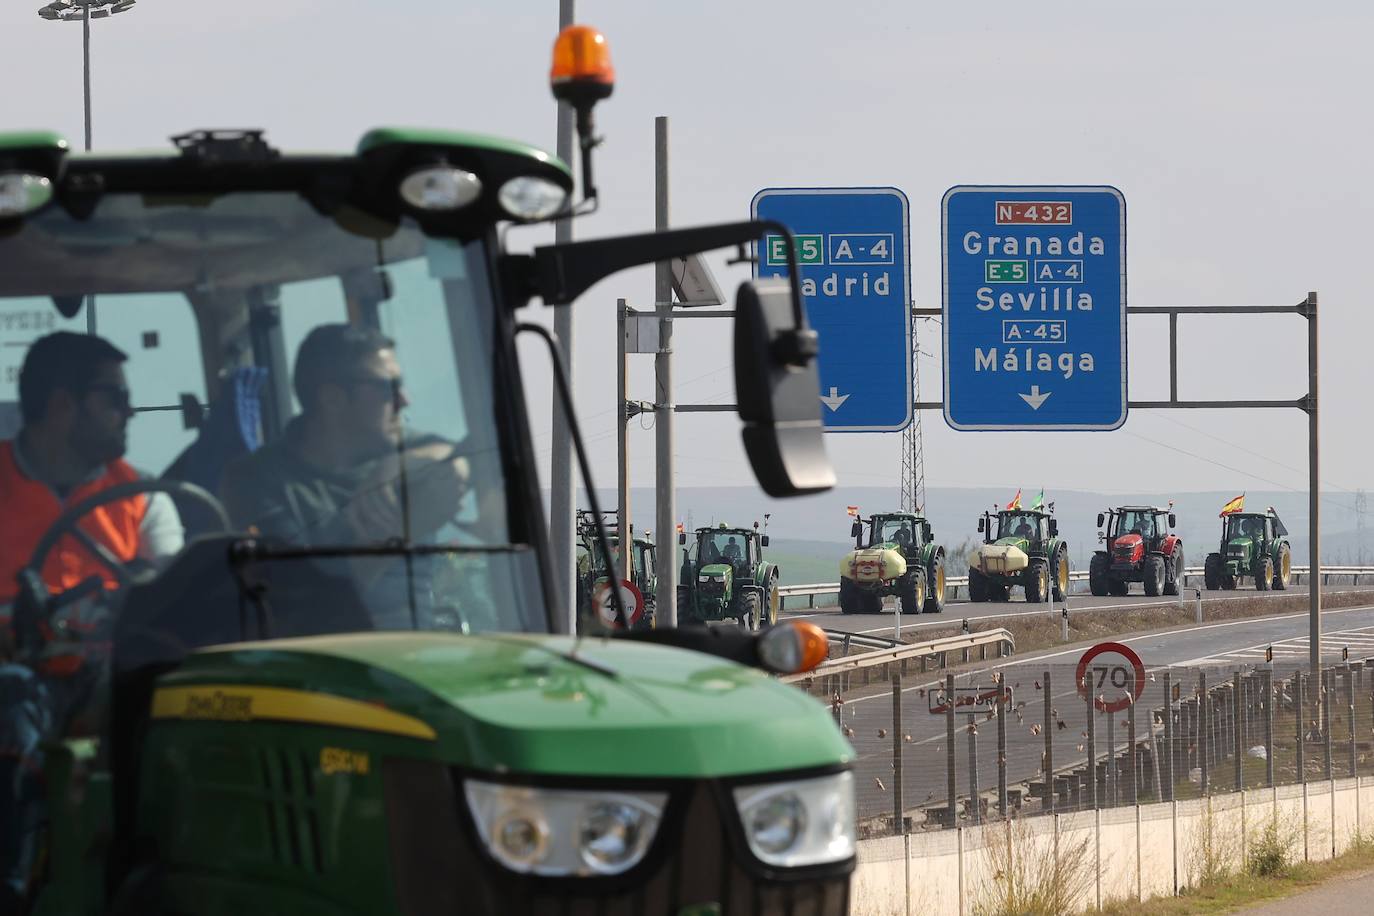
(900, 531)
(723, 546)
(1017, 524)
(1245, 526)
(330, 379)
(1136, 521)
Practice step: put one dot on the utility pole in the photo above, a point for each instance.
(666, 600)
(622, 442)
(561, 460)
(1314, 536)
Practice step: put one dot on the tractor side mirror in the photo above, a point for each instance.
(981, 525)
(1100, 519)
(1173, 521)
(763, 540)
(856, 530)
(925, 532)
(1054, 528)
(777, 388)
(682, 537)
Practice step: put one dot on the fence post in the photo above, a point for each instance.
(1048, 728)
(1199, 605)
(1299, 714)
(1350, 712)
(1112, 776)
(975, 805)
(1267, 679)
(1326, 721)
(1131, 753)
(1237, 711)
(1204, 717)
(898, 808)
(1092, 751)
(950, 785)
(1167, 782)
(1002, 749)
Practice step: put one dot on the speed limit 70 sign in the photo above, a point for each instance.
(1112, 674)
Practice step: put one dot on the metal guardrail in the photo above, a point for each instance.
(954, 583)
(1000, 639)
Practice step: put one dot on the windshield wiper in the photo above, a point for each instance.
(246, 550)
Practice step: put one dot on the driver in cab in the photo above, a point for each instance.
(74, 403)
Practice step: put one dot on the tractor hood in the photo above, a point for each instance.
(717, 571)
(1008, 555)
(520, 703)
(873, 564)
(1128, 547)
(1239, 547)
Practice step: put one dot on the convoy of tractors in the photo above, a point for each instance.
(725, 577)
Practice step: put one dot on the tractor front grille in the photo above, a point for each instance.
(441, 867)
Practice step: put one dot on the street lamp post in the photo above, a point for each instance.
(84, 11)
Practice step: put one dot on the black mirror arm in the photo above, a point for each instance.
(558, 274)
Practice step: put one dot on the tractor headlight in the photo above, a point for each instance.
(440, 188)
(805, 822)
(560, 832)
(21, 192)
(531, 198)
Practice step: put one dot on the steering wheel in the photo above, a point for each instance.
(34, 601)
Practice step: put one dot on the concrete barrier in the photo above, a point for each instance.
(1128, 853)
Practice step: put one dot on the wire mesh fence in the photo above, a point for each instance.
(936, 749)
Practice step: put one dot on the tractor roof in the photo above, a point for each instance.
(1140, 509)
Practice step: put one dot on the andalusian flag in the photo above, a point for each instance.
(1234, 506)
(1016, 502)
(853, 511)
(1039, 500)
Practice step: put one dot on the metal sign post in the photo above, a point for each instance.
(855, 275)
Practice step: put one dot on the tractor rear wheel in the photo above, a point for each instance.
(935, 586)
(1153, 573)
(1211, 572)
(912, 591)
(1263, 573)
(1059, 572)
(1098, 574)
(1283, 572)
(849, 597)
(1174, 571)
(772, 603)
(977, 585)
(1037, 581)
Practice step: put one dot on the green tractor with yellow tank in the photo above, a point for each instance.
(899, 558)
(1021, 547)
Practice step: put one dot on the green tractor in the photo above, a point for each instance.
(1020, 547)
(1253, 544)
(593, 578)
(725, 577)
(901, 558)
(340, 719)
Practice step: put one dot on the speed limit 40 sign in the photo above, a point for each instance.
(1113, 674)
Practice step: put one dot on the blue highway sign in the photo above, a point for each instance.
(1034, 307)
(852, 252)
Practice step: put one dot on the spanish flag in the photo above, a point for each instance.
(1235, 505)
(853, 511)
(1016, 502)
(680, 529)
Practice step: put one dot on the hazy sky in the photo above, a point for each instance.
(1238, 133)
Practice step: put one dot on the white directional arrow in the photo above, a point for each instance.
(1035, 398)
(836, 399)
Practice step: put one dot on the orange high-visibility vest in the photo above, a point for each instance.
(30, 507)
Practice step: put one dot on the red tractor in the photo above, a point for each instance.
(1139, 548)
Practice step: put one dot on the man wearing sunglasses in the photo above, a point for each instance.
(74, 402)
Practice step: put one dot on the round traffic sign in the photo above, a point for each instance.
(630, 597)
(1112, 676)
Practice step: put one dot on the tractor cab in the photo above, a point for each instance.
(1024, 527)
(351, 687)
(904, 531)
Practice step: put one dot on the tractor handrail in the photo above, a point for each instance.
(1002, 638)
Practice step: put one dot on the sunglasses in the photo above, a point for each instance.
(119, 395)
(390, 387)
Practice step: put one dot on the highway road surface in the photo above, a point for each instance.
(1218, 648)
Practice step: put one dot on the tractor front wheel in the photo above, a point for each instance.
(1099, 568)
(977, 585)
(849, 597)
(1263, 573)
(752, 608)
(1153, 573)
(1037, 581)
(912, 591)
(935, 586)
(1211, 572)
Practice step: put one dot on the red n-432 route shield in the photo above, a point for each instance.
(1099, 700)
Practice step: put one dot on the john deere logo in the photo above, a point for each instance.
(234, 707)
